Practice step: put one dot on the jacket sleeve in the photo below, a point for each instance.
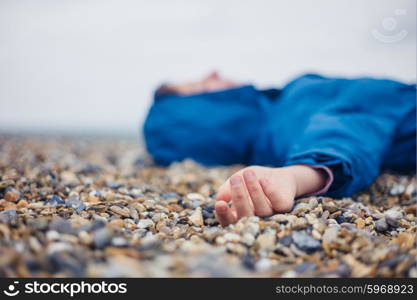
(352, 140)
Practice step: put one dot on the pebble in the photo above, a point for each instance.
(196, 217)
(330, 207)
(393, 217)
(119, 242)
(35, 245)
(286, 240)
(61, 226)
(248, 239)
(300, 208)
(58, 247)
(208, 213)
(124, 212)
(117, 222)
(102, 238)
(299, 223)
(251, 228)
(305, 267)
(85, 237)
(340, 219)
(411, 209)
(211, 233)
(22, 204)
(393, 214)
(393, 222)
(8, 217)
(75, 203)
(145, 223)
(360, 223)
(266, 241)
(381, 225)
(232, 237)
(6, 183)
(195, 197)
(397, 189)
(55, 200)
(263, 265)
(52, 235)
(329, 238)
(305, 242)
(12, 195)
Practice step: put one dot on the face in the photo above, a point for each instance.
(211, 83)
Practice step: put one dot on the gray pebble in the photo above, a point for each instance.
(8, 217)
(55, 200)
(145, 223)
(75, 203)
(300, 208)
(381, 225)
(305, 242)
(393, 222)
(102, 237)
(119, 242)
(393, 214)
(61, 225)
(305, 267)
(286, 240)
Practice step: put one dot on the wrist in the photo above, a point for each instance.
(307, 179)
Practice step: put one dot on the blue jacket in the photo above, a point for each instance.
(356, 127)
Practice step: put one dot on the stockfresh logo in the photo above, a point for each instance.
(12, 290)
(391, 33)
(69, 288)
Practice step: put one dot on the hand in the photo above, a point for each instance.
(263, 191)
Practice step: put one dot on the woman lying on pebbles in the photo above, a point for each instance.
(315, 136)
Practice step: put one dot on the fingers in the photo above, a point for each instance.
(279, 202)
(240, 198)
(261, 203)
(223, 194)
(224, 213)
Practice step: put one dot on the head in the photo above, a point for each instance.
(211, 83)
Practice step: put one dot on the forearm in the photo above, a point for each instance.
(308, 179)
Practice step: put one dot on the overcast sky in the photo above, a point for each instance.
(86, 66)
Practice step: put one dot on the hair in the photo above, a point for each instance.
(164, 89)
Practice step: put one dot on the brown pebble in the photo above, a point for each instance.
(330, 207)
(166, 230)
(360, 223)
(92, 199)
(85, 237)
(35, 205)
(406, 240)
(358, 269)
(6, 183)
(117, 222)
(124, 212)
(22, 204)
(12, 196)
(9, 205)
(131, 226)
(196, 218)
(299, 223)
(335, 214)
(411, 209)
